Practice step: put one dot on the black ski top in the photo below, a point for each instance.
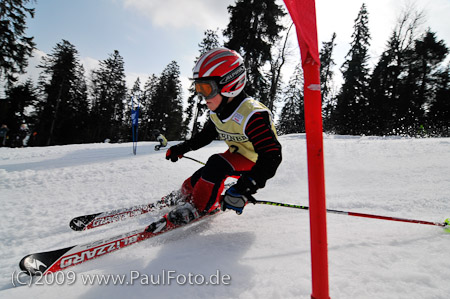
(260, 134)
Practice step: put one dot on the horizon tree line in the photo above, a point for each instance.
(406, 93)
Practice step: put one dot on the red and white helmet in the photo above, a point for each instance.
(224, 66)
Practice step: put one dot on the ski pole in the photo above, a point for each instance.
(194, 160)
(445, 224)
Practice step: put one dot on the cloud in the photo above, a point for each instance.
(32, 71)
(181, 14)
(89, 65)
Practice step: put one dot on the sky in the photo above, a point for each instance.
(149, 34)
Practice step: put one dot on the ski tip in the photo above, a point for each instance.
(37, 264)
(80, 223)
(32, 266)
(447, 225)
(76, 225)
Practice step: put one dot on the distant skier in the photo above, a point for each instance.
(3, 135)
(160, 138)
(23, 136)
(245, 124)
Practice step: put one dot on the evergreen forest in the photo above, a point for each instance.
(406, 92)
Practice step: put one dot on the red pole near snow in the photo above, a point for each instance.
(303, 13)
(316, 181)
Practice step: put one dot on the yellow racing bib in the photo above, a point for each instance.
(232, 129)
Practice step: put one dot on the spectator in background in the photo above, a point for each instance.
(4, 135)
(23, 136)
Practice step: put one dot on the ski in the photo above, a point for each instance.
(95, 220)
(43, 263)
(90, 221)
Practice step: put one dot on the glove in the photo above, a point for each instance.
(234, 200)
(237, 196)
(177, 151)
(246, 185)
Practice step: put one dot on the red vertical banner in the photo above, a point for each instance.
(303, 13)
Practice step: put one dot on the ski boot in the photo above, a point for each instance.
(183, 214)
(157, 226)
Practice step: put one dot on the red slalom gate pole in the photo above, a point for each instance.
(316, 180)
(303, 13)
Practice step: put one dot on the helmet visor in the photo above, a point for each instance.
(208, 89)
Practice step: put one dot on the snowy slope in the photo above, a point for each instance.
(265, 250)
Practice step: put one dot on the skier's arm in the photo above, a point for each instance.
(204, 137)
(199, 140)
(266, 145)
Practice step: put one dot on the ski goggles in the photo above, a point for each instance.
(207, 89)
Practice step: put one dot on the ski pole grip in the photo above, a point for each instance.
(251, 199)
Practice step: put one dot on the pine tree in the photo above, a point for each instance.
(253, 28)
(292, 119)
(18, 98)
(108, 99)
(326, 79)
(417, 86)
(136, 89)
(15, 47)
(146, 108)
(388, 74)
(166, 109)
(351, 109)
(63, 109)
(439, 112)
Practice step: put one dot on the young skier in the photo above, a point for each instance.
(245, 124)
(160, 138)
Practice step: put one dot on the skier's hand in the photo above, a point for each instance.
(177, 151)
(234, 200)
(237, 196)
(246, 185)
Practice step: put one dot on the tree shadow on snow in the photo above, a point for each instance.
(84, 157)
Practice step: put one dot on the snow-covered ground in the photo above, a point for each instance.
(263, 253)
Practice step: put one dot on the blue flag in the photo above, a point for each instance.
(135, 117)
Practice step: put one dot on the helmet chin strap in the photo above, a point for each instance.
(222, 105)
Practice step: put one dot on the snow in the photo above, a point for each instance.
(265, 252)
